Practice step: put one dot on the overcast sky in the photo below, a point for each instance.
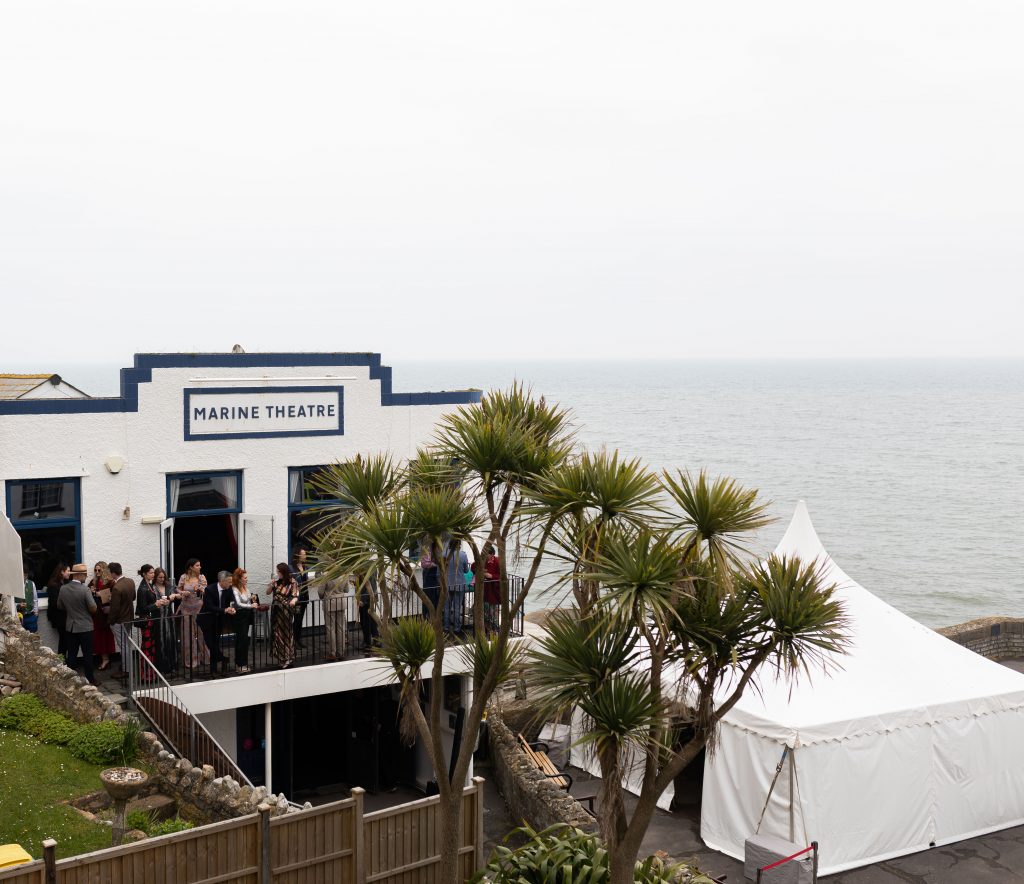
(667, 179)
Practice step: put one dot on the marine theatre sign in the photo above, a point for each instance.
(231, 413)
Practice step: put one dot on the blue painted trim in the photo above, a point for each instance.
(222, 511)
(203, 437)
(144, 364)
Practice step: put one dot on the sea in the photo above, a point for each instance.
(913, 471)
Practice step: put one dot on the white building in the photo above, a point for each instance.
(205, 455)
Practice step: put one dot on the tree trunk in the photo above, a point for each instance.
(621, 867)
(450, 814)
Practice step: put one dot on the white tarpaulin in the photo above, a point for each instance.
(12, 581)
(914, 741)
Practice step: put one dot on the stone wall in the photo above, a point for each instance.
(528, 794)
(998, 638)
(201, 796)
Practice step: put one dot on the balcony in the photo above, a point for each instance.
(176, 645)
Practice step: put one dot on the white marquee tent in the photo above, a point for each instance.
(914, 742)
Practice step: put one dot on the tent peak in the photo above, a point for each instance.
(800, 538)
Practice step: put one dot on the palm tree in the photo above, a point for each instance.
(680, 626)
(476, 484)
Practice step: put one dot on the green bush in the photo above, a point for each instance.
(145, 822)
(138, 819)
(104, 742)
(51, 727)
(16, 710)
(563, 855)
(166, 827)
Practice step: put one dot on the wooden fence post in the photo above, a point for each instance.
(478, 783)
(265, 872)
(359, 836)
(50, 859)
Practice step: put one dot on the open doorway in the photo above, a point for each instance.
(44, 548)
(211, 539)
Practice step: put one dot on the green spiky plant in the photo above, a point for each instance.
(560, 854)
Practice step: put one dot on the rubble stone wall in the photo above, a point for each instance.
(529, 795)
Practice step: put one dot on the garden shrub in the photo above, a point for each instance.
(51, 727)
(145, 822)
(166, 827)
(16, 710)
(561, 854)
(103, 742)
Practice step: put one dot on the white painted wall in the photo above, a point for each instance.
(223, 726)
(151, 442)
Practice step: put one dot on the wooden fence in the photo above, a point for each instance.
(331, 844)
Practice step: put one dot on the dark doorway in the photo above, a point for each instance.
(328, 744)
(250, 727)
(689, 786)
(211, 539)
(46, 547)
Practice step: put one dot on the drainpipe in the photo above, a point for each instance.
(267, 763)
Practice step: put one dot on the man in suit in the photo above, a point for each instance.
(77, 603)
(121, 614)
(210, 618)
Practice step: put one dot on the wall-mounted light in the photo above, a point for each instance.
(114, 464)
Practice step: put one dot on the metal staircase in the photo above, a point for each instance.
(150, 694)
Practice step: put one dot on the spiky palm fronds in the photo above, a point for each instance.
(800, 610)
(510, 437)
(441, 512)
(715, 516)
(602, 484)
(642, 577)
(360, 483)
(484, 653)
(576, 656)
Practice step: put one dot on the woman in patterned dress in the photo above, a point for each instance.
(284, 593)
(191, 588)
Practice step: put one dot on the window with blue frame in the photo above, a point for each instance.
(305, 498)
(46, 513)
(204, 494)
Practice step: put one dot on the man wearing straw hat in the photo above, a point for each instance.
(75, 599)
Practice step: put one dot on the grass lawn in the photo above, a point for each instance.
(34, 779)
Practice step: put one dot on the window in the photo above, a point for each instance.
(38, 499)
(46, 515)
(192, 494)
(303, 502)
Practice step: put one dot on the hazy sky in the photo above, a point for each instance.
(519, 179)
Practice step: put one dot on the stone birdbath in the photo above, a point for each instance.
(122, 784)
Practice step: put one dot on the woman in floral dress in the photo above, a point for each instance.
(191, 588)
(284, 593)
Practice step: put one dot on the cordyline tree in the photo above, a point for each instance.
(671, 625)
(476, 483)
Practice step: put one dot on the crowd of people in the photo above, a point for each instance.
(175, 624)
(178, 624)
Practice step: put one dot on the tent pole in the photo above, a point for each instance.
(792, 789)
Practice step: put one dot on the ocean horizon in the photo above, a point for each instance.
(913, 470)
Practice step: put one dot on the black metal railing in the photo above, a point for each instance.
(182, 647)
